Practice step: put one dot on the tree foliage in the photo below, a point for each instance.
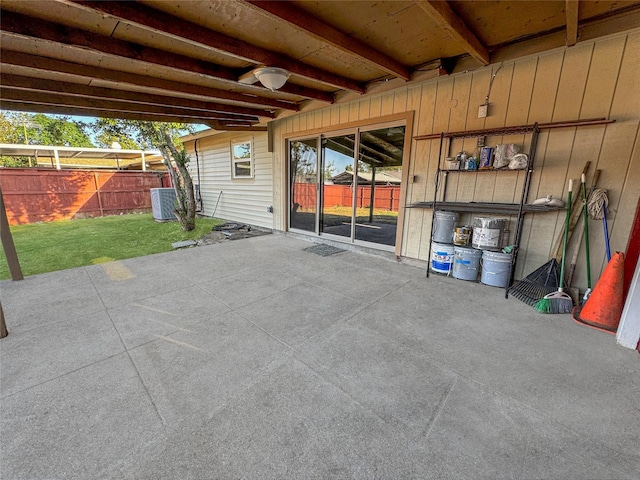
(106, 131)
(38, 129)
(61, 132)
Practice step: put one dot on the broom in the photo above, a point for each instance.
(586, 241)
(559, 302)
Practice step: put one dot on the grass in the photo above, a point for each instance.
(46, 247)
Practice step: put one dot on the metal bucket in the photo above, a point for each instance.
(444, 222)
(495, 268)
(487, 233)
(466, 263)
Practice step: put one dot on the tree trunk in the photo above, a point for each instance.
(185, 210)
(187, 218)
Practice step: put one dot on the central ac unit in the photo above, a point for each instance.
(163, 202)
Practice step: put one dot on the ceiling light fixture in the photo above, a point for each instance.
(272, 78)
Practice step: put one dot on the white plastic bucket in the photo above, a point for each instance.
(441, 257)
(495, 268)
(466, 263)
(487, 233)
(444, 223)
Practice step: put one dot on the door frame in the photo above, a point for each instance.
(401, 119)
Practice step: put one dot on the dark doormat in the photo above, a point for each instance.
(323, 250)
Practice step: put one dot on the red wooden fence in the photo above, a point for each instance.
(386, 197)
(42, 195)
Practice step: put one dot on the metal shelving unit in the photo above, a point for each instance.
(518, 209)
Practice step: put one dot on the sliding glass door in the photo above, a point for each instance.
(303, 184)
(379, 181)
(347, 186)
(337, 203)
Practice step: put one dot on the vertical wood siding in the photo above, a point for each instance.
(243, 200)
(592, 79)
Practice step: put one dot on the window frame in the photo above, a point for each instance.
(235, 160)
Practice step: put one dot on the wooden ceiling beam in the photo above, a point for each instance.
(55, 99)
(42, 85)
(166, 24)
(311, 93)
(20, 106)
(27, 60)
(22, 25)
(235, 128)
(288, 12)
(441, 13)
(571, 19)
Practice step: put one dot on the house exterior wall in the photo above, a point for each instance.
(592, 79)
(243, 200)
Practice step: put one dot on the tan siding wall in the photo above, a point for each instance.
(242, 200)
(591, 79)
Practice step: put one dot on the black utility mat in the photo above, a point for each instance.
(323, 250)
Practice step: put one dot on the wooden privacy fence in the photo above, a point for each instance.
(387, 197)
(42, 195)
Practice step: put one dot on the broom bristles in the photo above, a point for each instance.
(556, 302)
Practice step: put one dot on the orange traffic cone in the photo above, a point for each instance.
(603, 308)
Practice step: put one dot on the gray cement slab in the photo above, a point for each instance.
(161, 315)
(81, 425)
(404, 389)
(248, 286)
(512, 349)
(300, 312)
(49, 298)
(122, 282)
(256, 359)
(195, 371)
(58, 348)
(291, 424)
(483, 434)
(364, 285)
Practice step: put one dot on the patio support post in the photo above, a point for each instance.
(3, 326)
(144, 163)
(7, 243)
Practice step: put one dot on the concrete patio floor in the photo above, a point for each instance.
(256, 359)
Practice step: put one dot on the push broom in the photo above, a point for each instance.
(559, 301)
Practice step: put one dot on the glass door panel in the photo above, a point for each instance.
(379, 181)
(333, 194)
(338, 185)
(303, 183)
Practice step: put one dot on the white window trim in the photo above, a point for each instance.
(235, 160)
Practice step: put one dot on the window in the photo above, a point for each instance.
(241, 160)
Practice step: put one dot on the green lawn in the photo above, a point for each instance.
(45, 247)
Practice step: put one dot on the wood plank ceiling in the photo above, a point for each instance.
(192, 60)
